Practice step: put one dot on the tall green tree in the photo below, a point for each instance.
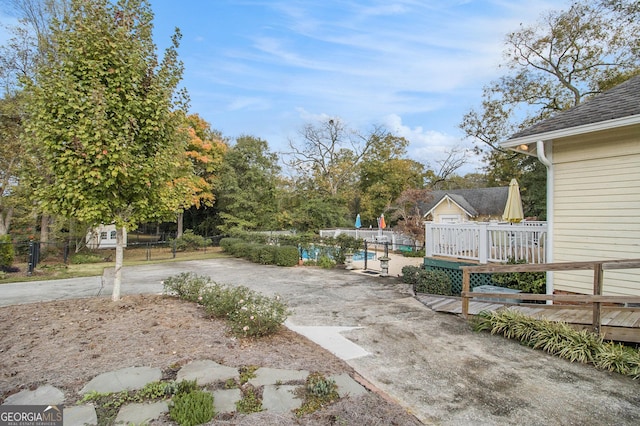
(384, 174)
(567, 57)
(247, 191)
(104, 112)
(20, 55)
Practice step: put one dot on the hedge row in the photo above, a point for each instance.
(261, 253)
(423, 281)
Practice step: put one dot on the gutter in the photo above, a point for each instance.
(542, 157)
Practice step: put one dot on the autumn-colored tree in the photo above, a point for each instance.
(407, 212)
(103, 113)
(205, 149)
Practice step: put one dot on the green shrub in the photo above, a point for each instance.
(82, 258)
(424, 281)
(190, 241)
(412, 253)
(6, 252)
(286, 256)
(326, 262)
(187, 286)
(192, 408)
(220, 301)
(527, 282)
(257, 316)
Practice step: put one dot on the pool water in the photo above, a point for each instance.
(359, 255)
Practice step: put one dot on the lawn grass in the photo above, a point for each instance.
(54, 268)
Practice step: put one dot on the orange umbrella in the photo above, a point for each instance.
(381, 223)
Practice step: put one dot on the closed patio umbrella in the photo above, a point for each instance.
(381, 223)
(358, 223)
(513, 209)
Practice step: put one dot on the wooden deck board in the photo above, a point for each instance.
(618, 323)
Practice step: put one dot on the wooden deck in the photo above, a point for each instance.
(618, 323)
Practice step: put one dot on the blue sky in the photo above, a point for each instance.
(267, 67)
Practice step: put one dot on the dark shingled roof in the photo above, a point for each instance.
(478, 201)
(619, 102)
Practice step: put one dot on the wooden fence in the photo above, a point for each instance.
(597, 299)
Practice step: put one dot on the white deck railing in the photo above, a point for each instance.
(487, 242)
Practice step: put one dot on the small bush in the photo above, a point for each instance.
(192, 408)
(527, 282)
(326, 262)
(423, 281)
(412, 253)
(82, 258)
(318, 393)
(6, 252)
(190, 241)
(220, 301)
(187, 286)
(257, 316)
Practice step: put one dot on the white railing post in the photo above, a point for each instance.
(483, 242)
(428, 239)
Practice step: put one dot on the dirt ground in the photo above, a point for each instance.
(67, 343)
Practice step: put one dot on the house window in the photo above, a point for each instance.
(103, 235)
(113, 235)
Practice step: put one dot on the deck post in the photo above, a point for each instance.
(466, 286)
(597, 291)
(428, 239)
(483, 242)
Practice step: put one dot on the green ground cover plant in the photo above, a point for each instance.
(560, 339)
(318, 392)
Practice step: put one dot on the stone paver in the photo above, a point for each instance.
(280, 399)
(80, 415)
(271, 376)
(141, 413)
(130, 378)
(224, 400)
(44, 395)
(206, 372)
(347, 386)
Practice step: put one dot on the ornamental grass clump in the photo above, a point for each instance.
(562, 340)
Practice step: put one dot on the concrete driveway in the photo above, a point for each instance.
(431, 363)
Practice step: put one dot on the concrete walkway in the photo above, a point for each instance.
(431, 363)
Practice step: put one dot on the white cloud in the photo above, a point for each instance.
(431, 147)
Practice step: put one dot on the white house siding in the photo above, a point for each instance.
(597, 207)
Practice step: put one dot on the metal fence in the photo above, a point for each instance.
(27, 255)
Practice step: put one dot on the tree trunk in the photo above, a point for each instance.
(44, 228)
(117, 279)
(5, 220)
(180, 224)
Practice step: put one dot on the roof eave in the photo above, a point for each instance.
(571, 131)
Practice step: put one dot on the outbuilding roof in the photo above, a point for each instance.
(613, 108)
(475, 202)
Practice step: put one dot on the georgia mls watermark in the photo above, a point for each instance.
(30, 415)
